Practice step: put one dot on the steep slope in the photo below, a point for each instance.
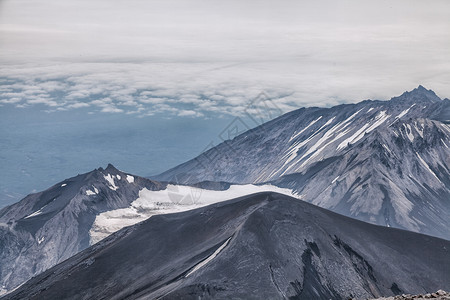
(262, 246)
(386, 179)
(394, 157)
(48, 227)
(294, 141)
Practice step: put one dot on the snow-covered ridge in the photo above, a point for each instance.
(326, 139)
(175, 198)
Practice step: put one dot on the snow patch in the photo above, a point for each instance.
(63, 185)
(293, 151)
(321, 140)
(427, 167)
(36, 213)
(404, 112)
(409, 133)
(354, 138)
(110, 180)
(303, 130)
(359, 134)
(175, 198)
(387, 148)
(41, 240)
(334, 180)
(130, 179)
(419, 129)
(118, 177)
(90, 193)
(444, 143)
(379, 119)
(211, 257)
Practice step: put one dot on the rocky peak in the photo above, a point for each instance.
(418, 95)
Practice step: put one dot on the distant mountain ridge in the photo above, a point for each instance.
(385, 162)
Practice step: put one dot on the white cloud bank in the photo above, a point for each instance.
(192, 58)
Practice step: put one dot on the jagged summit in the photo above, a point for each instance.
(418, 95)
(109, 167)
(375, 160)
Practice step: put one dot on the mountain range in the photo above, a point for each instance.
(382, 162)
(261, 246)
(49, 227)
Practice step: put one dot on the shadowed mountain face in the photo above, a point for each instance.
(261, 246)
(48, 227)
(384, 162)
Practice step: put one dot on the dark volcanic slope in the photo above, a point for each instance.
(269, 246)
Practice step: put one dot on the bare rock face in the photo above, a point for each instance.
(383, 162)
(261, 246)
(48, 227)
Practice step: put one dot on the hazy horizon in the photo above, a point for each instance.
(161, 79)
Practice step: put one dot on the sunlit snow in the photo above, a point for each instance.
(404, 112)
(211, 257)
(110, 179)
(175, 198)
(130, 179)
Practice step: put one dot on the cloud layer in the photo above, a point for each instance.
(194, 59)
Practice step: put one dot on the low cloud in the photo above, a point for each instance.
(111, 109)
(78, 105)
(196, 59)
(128, 88)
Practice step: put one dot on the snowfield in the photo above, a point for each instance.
(175, 198)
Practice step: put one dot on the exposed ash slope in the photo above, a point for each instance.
(263, 245)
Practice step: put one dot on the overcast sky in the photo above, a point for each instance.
(191, 58)
(146, 85)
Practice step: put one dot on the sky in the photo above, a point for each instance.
(189, 67)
